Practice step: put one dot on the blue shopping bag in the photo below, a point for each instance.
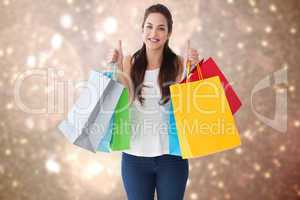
(174, 146)
(104, 145)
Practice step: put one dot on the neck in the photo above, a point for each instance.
(154, 58)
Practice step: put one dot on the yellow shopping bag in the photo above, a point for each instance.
(204, 121)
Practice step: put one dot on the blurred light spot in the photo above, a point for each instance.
(214, 173)
(99, 36)
(248, 135)
(7, 152)
(134, 12)
(276, 162)
(273, 8)
(6, 2)
(221, 184)
(292, 88)
(224, 161)
(23, 141)
(268, 29)
(227, 196)
(285, 66)
(230, 1)
(264, 43)
(110, 25)
(240, 45)
(220, 54)
(56, 41)
(75, 28)
(9, 50)
(15, 183)
(199, 28)
(249, 29)
(194, 195)
(267, 175)
(52, 166)
(282, 148)
(9, 106)
(221, 35)
(92, 170)
(77, 9)
(66, 21)
(252, 3)
(293, 30)
(31, 61)
(85, 34)
(255, 10)
(297, 123)
(238, 151)
(256, 167)
(100, 9)
(72, 157)
(29, 123)
(87, 7)
(210, 166)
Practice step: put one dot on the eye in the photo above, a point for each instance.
(148, 27)
(162, 29)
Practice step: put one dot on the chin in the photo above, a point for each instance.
(154, 47)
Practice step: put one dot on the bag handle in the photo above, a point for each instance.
(198, 66)
(114, 67)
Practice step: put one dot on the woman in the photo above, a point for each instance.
(147, 165)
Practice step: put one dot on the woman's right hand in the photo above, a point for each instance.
(116, 56)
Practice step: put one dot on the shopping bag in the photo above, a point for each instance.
(104, 145)
(121, 132)
(90, 117)
(209, 69)
(204, 121)
(174, 147)
(118, 135)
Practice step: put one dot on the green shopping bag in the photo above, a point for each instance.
(121, 128)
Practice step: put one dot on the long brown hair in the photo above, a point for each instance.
(170, 62)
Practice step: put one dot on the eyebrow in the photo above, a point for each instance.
(157, 25)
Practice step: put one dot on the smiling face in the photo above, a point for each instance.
(155, 31)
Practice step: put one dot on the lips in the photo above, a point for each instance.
(154, 40)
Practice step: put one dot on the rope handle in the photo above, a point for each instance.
(198, 70)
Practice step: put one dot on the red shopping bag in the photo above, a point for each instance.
(209, 69)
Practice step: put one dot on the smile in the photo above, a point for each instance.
(154, 40)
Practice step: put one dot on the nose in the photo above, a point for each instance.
(153, 32)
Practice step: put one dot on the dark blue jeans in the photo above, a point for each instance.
(142, 175)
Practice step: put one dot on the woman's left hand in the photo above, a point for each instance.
(191, 55)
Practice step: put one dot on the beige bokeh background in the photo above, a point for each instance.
(48, 46)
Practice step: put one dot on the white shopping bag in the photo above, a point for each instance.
(89, 118)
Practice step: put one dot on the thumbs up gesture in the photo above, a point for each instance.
(117, 56)
(191, 55)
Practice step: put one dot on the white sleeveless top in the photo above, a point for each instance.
(150, 121)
